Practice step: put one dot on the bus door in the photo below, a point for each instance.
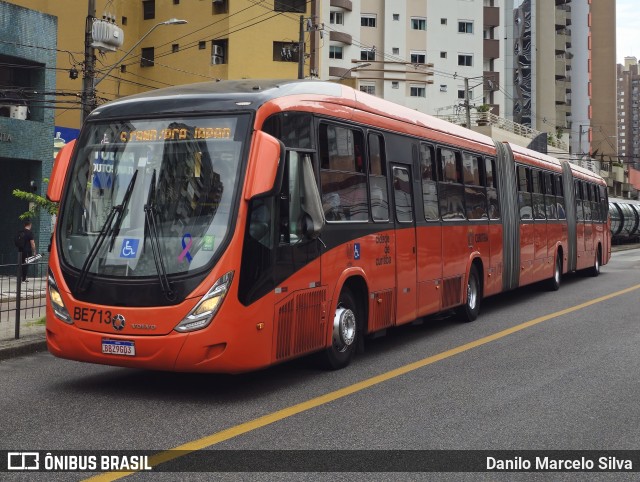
(589, 231)
(405, 261)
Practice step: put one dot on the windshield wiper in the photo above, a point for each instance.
(121, 209)
(150, 216)
(104, 232)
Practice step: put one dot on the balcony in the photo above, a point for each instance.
(342, 37)
(561, 69)
(561, 19)
(346, 4)
(561, 92)
(491, 48)
(491, 16)
(491, 80)
(561, 43)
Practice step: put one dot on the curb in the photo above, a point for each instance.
(22, 346)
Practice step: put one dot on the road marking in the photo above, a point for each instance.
(268, 419)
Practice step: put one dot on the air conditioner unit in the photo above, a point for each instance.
(218, 50)
(217, 59)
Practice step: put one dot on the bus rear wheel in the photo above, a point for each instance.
(595, 269)
(469, 311)
(554, 282)
(345, 333)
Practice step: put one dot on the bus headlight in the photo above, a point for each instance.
(201, 316)
(59, 309)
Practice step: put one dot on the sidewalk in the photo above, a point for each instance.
(32, 329)
(32, 332)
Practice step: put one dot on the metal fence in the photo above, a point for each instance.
(22, 304)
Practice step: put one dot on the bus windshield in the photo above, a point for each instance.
(169, 182)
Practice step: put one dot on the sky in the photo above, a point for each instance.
(627, 29)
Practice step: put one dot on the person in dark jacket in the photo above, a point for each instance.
(28, 249)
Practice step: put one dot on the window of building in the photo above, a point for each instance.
(148, 9)
(396, 17)
(202, 45)
(124, 21)
(465, 60)
(418, 57)
(298, 6)
(285, 52)
(176, 2)
(335, 52)
(443, 21)
(368, 20)
(395, 51)
(418, 23)
(443, 55)
(147, 57)
(368, 54)
(368, 88)
(395, 85)
(336, 18)
(175, 48)
(417, 91)
(465, 26)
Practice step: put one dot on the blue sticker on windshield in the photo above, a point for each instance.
(129, 248)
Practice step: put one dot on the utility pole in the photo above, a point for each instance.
(88, 95)
(301, 49)
(467, 105)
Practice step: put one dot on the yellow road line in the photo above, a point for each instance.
(268, 419)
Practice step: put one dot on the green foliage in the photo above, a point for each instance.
(37, 203)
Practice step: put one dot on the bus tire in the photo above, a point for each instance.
(595, 269)
(345, 333)
(469, 311)
(553, 283)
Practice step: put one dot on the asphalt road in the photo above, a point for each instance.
(568, 380)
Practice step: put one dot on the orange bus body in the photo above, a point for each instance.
(392, 271)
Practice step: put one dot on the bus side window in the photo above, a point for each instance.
(562, 214)
(492, 188)
(579, 194)
(549, 198)
(524, 193)
(475, 198)
(537, 184)
(586, 201)
(429, 176)
(450, 189)
(378, 179)
(343, 176)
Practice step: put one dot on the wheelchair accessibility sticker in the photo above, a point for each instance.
(356, 251)
(129, 248)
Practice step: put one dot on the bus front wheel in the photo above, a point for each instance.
(469, 311)
(345, 333)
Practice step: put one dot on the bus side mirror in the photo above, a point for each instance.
(59, 172)
(264, 164)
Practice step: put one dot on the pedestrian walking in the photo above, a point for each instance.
(27, 246)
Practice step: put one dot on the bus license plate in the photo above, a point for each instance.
(118, 347)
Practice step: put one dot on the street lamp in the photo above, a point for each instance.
(92, 103)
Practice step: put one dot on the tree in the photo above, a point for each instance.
(37, 203)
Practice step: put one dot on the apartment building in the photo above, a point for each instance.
(416, 53)
(625, 172)
(222, 39)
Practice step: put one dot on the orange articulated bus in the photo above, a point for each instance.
(229, 226)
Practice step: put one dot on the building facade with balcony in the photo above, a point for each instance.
(27, 81)
(415, 53)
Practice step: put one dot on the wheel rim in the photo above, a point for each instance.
(472, 293)
(556, 274)
(597, 265)
(344, 329)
